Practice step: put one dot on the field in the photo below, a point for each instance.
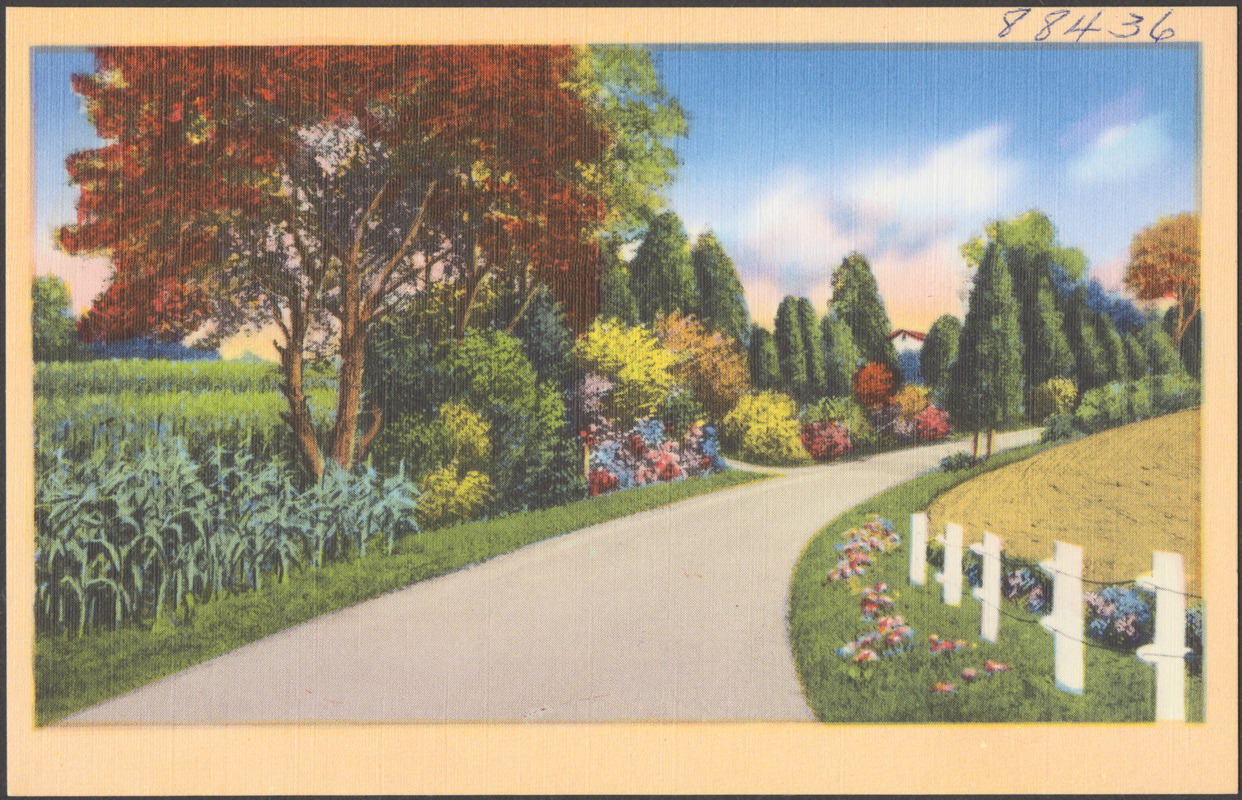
(1119, 494)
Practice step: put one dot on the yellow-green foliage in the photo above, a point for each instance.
(764, 427)
(912, 400)
(634, 360)
(1054, 396)
(471, 433)
(447, 497)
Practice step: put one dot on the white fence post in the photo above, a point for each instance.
(918, 549)
(989, 593)
(951, 577)
(1167, 651)
(1066, 620)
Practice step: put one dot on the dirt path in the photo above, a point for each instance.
(677, 613)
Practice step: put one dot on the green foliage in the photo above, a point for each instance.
(55, 336)
(765, 370)
(661, 272)
(1031, 233)
(1112, 348)
(1136, 356)
(764, 428)
(415, 443)
(1191, 348)
(1058, 428)
(841, 357)
(679, 411)
(791, 349)
(153, 376)
(633, 358)
(843, 411)
(71, 674)
(985, 381)
(618, 301)
(722, 302)
(1120, 403)
(957, 462)
(1162, 358)
(940, 351)
(856, 301)
(1090, 359)
(813, 346)
(1052, 397)
(449, 497)
(546, 338)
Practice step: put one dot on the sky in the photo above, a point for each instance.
(798, 156)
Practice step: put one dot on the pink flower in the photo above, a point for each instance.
(969, 675)
(944, 688)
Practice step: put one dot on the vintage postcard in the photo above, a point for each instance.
(679, 400)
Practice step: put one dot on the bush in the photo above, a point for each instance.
(824, 441)
(958, 461)
(709, 363)
(1174, 392)
(843, 411)
(680, 412)
(1053, 396)
(449, 497)
(912, 399)
(1120, 618)
(873, 385)
(636, 363)
(415, 443)
(932, 424)
(1059, 427)
(764, 427)
(641, 455)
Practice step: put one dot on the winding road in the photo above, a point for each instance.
(677, 613)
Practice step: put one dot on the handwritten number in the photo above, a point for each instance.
(1164, 34)
(1136, 21)
(1082, 31)
(1009, 23)
(1051, 19)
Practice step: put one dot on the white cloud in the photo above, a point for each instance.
(86, 277)
(1122, 151)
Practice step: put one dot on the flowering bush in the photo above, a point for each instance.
(873, 384)
(710, 363)
(764, 427)
(1118, 617)
(1053, 396)
(641, 455)
(843, 411)
(912, 400)
(932, 424)
(448, 497)
(857, 545)
(1022, 585)
(679, 412)
(632, 358)
(824, 441)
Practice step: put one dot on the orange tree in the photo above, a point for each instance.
(1164, 262)
(874, 384)
(315, 189)
(711, 364)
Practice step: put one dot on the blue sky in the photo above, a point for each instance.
(797, 156)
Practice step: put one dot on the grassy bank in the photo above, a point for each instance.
(72, 674)
(1119, 688)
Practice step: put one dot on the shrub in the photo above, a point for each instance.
(449, 497)
(912, 399)
(636, 363)
(709, 363)
(873, 385)
(1102, 408)
(764, 427)
(824, 441)
(415, 443)
(1119, 617)
(1059, 427)
(641, 455)
(1053, 396)
(471, 443)
(932, 424)
(679, 412)
(1174, 392)
(843, 411)
(958, 461)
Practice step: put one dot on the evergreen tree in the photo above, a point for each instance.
(1191, 348)
(813, 347)
(1161, 356)
(618, 301)
(661, 273)
(722, 303)
(790, 349)
(546, 338)
(1090, 361)
(939, 351)
(856, 300)
(1136, 356)
(841, 358)
(765, 370)
(985, 381)
(1112, 348)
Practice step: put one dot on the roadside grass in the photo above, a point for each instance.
(1118, 687)
(72, 674)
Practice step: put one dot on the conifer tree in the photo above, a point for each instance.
(939, 351)
(722, 302)
(1090, 360)
(765, 371)
(661, 273)
(813, 347)
(856, 300)
(985, 382)
(790, 349)
(1136, 356)
(840, 357)
(1161, 355)
(1111, 347)
(617, 301)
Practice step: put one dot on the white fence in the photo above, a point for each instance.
(1066, 621)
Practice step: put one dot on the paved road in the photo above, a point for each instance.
(678, 613)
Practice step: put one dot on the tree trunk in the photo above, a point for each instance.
(974, 446)
(298, 417)
(349, 381)
(991, 436)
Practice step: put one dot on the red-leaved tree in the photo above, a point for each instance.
(317, 188)
(873, 384)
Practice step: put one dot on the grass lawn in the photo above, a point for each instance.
(72, 674)
(1119, 687)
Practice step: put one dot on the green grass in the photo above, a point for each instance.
(72, 674)
(1119, 688)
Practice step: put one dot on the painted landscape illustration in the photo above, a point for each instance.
(848, 384)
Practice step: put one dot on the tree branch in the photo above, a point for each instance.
(381, 287)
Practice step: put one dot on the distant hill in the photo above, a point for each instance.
(1119, 494)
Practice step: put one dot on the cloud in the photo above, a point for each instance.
(86, 277)
(1122, 151)
(1125, 110)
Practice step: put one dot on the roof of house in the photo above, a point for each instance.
(912, 334)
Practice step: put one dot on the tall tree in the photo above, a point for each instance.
(985, 381)
(1136, 356)
(790, 349)
(1091, 364)
(1112, 348)
(316, 188)
(841, 359)
(722, 302)
(661, 272)
(856, 301)
(1191, 348)
(1158, 345)
(940, 350)
(765, 370)
(813, 348)
(618, 301)
(54, 337)
(1164, 262)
